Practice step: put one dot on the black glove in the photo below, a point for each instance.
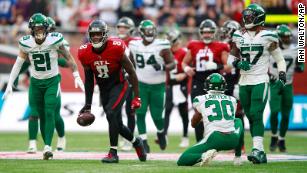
(158, 67)
(86, 108)
(282, 77)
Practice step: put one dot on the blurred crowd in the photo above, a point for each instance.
(72, 14)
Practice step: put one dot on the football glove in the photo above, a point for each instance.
(158, 67)
(136, 103)
(243, 65)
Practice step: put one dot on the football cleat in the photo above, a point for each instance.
(140, 149)
(207, 157)
(257, 157)
(273, 145)
(32, 147)
(47, 153)
(237, 161)
(162, 140)
(110, 158)
(184, 142)
(61, 144)
(282, 146)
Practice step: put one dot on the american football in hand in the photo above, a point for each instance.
(85, 119)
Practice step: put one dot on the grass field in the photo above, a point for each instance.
(15, 141)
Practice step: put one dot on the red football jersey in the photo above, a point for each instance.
(130, 39)
(178, 56)
(202, 53)
(107, 64)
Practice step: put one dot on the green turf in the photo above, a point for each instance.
(16, 141)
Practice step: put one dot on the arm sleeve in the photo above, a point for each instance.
(279, 59)
(15, 71)
(89, 85)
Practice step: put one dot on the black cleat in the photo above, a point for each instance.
(162, 140)
(282, 146)
(273, 144)
(146, 146)
(140, 149)
(110, 158)
(257, 157)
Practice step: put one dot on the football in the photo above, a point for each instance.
(85, 119)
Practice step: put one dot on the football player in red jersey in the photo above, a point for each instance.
(124, 29)
(177, 83)
(203, 58)
(105, 59)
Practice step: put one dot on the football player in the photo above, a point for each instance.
(204, 57)
(152, 58)
(33, 119)
(176, 84)
(281, 98)
(252, 48)
(42, 49)
(125, 28)
(222, 130)
(104, 59)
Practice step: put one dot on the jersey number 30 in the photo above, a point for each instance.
(220, 109)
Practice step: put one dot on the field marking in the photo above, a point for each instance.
(132, 156)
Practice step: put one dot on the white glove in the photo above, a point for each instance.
(78, 80)
(8, 91)
(211, 65)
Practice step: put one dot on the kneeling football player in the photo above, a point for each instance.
(222, 130)
(105, 58)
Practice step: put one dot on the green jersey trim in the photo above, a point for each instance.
(24, 45)
(236, 35)
(270, 35)
(61, 39)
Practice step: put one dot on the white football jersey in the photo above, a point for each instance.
(255, 50)
(290, 55)
(44, 57)
(145, 57)
(218, 112)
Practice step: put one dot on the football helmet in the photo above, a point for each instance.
(227, 30)
(128, 24)
(207, 30)
(39, 26)
(173, 36)
(148, 30)
(215, 82)
(284, 35)
(98, 33)
(51, 24)
(253, 15)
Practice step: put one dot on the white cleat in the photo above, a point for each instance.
(184, 142)
(47, 153)
(207, 157)
(61, 145)
(32, 147)
(127, 146)
(237, 161)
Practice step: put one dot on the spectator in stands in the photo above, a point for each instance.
(65, 13)
(7, 12)
(108, 11)
(84, 14)
(22, 9)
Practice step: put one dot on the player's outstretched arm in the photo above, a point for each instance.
(89, 88)
(14, 73)
(280, 61)
(133, 79)
(66, 54)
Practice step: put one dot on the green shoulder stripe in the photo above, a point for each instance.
(195, 100)
(270, 35)
(24, 45)
(236, 35)
(61, 39)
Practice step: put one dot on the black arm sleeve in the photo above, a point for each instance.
(89, 85)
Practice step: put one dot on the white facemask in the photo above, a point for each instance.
(97, 45)
(149, 39)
